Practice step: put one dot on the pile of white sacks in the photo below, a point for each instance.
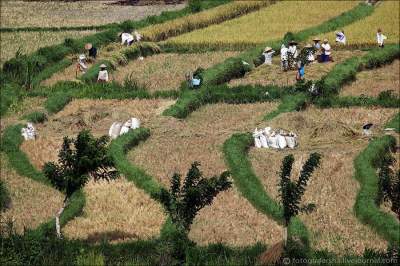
(119, 128)
(29, 132)
(274, 139)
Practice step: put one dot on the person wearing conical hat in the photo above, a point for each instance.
(326, 51)
(92, 50)
(284, 57)
(81, 66)
(268, 53)
(317, 44)
(309, 51)
(103, 74)
(340, 37)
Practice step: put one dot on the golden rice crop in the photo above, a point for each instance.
(337, 135)
(118, 211)
(385, 16)
(32, 203)
(167, 71)
(202, 19)
(73, 13)
(269, 23)
(274, 75)
(174, 144)
(28, 42)
(372, 82)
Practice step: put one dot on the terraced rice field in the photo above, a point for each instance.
(32, 203)
(265, 24)
(372, 82)
(386, 16)
(175, 144)
(28, 42)
(274, 75)
(79, 13)
(336, 134)
(167, 71)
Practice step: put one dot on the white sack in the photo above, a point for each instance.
(115, 130)
(273, 142)
(135, 123)
(281, 141)
(291, 142)
(257, 141)
(263, 140)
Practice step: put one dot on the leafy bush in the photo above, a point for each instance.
(57, 101)
(90, 259)
(36, 117)
(5, 199)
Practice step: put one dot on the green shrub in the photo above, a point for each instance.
(90, 259)
(289, 103)
(36, 117)
(5, 199)
(57, 101)
(11, 94)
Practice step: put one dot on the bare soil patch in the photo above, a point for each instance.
(336, 134)
(118, 211)
(167, 71)
(175, 144)
(32, 203)
(274, 75)
(373, 82)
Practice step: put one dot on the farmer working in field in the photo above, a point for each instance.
(103, 74)
(126, 38)
(292, 54)
(300, 71)
(340, 37)
(309, 53)
(91, 50)
(268, 53)
(326, 51)
(317, 45)
(81, 66)
(284, 57)
(380, 38)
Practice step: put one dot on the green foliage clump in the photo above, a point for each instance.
(195, 6)
(57, 101)
(5, 199)
(90, 259)
(36, 117)
(88, 158)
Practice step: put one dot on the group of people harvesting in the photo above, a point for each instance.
(293, 58)
(126, 39)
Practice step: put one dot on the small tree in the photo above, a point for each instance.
(89, 158)
(182, 202)
(389, 184)
(291, 192)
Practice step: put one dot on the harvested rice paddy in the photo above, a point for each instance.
(28, 42)
(336, 134)
(117, 211)
(77, 13)
(32, 203)
(386, 16)
(372, 82)
(175, 144)
(274, 75)
(266, 24)
(167, 71)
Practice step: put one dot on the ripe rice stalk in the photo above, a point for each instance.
(267, 24)
(363, 32)
(201, 20)
(337, 135)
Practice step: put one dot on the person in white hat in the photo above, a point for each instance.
(340, 37)
(81, 66)
(103, 74)
(380, 38)
(326, 55)
(268, 53)
(284, 57)
(309, 53)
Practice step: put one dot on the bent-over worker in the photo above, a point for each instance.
(326, 54)
(103, 74)
(268, 53)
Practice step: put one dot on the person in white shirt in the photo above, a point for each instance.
(326, 55)
(317, 45)
(81, 66)
(380, 38)
(268, 53)
(103, 74)
(340, 37)
(292, 54)
(284, 57)
(126, 38)
(309, 53)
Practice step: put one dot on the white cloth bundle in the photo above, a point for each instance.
(291, 141)
(256, 136)
(126, 38)
(281, 141)
(267, 138)
(118, 129)
(263, 140)
(28, 132)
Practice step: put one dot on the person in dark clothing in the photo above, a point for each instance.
(92, 50)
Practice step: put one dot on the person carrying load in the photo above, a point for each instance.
(340, 37)
(268, 53)
(103, 74)
(380, 38)
(91, 50)
(326, 52)
(81, 65)
(284, 57)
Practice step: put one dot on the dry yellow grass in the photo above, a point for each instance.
(29, 42)
(81, 13)
(269, 23)
(373, 82)
(385, 16)
(273, 75)
(167, 71)
(31, 202)
(332, 187)
(175, 144)
(118, 211)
